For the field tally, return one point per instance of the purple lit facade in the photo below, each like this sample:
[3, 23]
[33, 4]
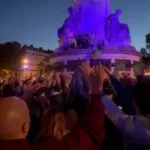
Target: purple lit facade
[92, 25]
[94, 34]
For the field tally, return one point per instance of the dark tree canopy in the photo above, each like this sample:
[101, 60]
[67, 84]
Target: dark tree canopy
[143, 52]
[147, 40]
[11, 55]
[146, 51]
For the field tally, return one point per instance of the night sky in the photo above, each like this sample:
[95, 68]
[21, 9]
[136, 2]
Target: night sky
[36, 21]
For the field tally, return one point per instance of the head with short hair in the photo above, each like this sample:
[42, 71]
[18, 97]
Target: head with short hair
[14, 119]
[141, 95]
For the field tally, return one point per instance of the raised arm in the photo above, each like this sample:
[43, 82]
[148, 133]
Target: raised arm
[129, 126]
[93, 122]
[123, 94]
[91, 132]
[115, 114]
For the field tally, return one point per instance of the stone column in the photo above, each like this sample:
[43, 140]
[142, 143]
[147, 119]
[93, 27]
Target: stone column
[132, 70]
[112, 67]
[65, 63]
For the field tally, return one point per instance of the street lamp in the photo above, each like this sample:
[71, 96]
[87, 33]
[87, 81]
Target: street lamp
[25, 66]
[25, 61]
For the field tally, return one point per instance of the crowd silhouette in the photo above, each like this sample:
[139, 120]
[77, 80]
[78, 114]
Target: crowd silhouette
[89, 110]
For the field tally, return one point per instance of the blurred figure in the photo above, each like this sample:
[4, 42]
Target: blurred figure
[57, 125]
[108, 89]
[56, 92]
[17, 88]
[8, 90]
[89, 133]
[135, 129]
[14, 124]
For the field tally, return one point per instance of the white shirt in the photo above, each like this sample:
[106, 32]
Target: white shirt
[135, 129]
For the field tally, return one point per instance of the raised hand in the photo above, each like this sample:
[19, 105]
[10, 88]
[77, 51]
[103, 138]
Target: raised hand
[95, 77]
[86, 69]
[107, 70]
[51, 75]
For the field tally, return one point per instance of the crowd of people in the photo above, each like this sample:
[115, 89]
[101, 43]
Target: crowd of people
[91, 110]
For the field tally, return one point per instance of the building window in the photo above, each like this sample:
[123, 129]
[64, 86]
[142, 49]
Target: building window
[104, 62]
[123, 65]
[73, 64]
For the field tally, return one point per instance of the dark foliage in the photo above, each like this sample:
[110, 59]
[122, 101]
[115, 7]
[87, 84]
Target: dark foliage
[11, 54]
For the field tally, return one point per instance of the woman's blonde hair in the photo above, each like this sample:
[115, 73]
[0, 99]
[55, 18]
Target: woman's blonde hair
[57, 125]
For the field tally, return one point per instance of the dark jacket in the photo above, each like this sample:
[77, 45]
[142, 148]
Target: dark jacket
[113, 138]
[20, 144]
[124, 97]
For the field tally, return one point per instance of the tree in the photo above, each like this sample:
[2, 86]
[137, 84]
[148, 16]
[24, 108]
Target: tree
[145, 59]
[138, 68]
[144, 52]
[11, 54]
[147, 40]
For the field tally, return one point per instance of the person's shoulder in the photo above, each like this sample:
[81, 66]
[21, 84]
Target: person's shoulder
[17, 144]
[46, 144]
[144, 121]
[139, 129]
[77, 139]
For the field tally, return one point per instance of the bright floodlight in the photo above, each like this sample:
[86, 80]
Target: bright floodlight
[25, 61]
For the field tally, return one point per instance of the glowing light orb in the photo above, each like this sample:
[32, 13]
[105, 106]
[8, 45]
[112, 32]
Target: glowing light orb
[25, 67]
[25, 61]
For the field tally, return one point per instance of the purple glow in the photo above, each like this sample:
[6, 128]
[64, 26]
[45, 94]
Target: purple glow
[94, 22]
[25, 67]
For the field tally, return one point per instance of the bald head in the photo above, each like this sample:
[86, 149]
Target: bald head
[14, 118]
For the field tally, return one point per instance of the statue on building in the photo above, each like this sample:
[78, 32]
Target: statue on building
[67, 32]
[67, 38]
[117, 32]
[90, 25]
[83, 19]
[68, 22]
